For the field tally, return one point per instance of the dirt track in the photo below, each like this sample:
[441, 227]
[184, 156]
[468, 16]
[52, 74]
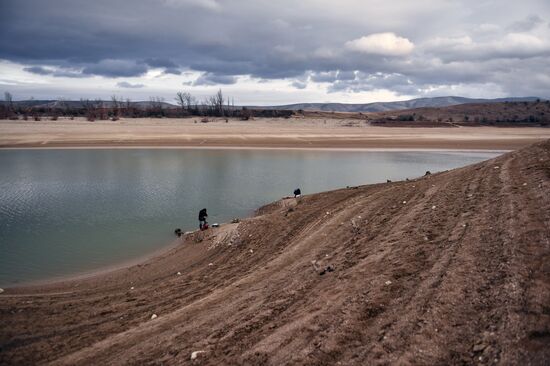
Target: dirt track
[452, 268]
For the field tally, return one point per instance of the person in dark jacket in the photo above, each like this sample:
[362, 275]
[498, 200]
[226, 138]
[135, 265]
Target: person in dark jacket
[297, 192]
[202, 218]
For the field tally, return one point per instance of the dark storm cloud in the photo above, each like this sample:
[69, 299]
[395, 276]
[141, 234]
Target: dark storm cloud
[324, 77]
[160, 62]
[39, 70]
[214, 79]
[168, 65]
[115, 68]
[353, 45]
[173, 71]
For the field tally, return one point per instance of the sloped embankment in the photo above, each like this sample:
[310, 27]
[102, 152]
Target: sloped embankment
[447, 269]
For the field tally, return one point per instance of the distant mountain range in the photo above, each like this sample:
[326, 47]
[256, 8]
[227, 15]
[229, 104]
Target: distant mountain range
[325, 107]
[392, 106]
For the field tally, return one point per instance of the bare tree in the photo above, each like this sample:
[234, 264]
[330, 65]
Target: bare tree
[89, 109]
[184, 101]
[116, 104]
[8, 98]
[218, 101]
[245, 114]
[100, 108]
[128, 107]
[156, 106]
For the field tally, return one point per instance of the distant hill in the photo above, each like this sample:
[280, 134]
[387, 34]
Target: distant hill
[435, 102]
[507, 113]
[393, 106]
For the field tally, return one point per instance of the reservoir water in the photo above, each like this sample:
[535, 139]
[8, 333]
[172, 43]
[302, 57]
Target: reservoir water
[68, 211]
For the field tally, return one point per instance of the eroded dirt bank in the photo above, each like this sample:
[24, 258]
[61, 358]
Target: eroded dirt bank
[451, 268]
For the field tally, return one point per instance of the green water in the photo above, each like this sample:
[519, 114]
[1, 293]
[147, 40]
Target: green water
[70, 211]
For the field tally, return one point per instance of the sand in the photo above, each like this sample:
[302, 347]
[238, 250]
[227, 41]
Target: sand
[265, 133]
[451, 268]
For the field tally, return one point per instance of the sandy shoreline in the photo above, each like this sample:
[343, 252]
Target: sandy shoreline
[260, 133]
[109, 269]
[153, 147]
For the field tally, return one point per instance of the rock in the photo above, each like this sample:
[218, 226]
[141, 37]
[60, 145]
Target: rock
[235, 221]
[154, 316]
[179, 273]
[1, 290]
[215, 224]
[479, 347]
[210, 264]
[251, 251]
[388, 282]
[524, 184]
[404, 202]
[131, 288]
[196, 354]
[433, 207]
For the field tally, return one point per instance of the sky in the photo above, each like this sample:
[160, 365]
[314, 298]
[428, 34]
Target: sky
[274, 52]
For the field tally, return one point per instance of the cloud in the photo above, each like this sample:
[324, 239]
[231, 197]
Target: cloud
[511, 45]
[115, 68]
[39, 70]
[374, 81]
[160, 62]
[125, 84]
[215, 79]
[456, 42]
[384, 44]
[206, 4]
[527, 24]
[173, 71]
[324, 77]
[299, 84]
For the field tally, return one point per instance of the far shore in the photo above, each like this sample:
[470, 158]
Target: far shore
[264, 133]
